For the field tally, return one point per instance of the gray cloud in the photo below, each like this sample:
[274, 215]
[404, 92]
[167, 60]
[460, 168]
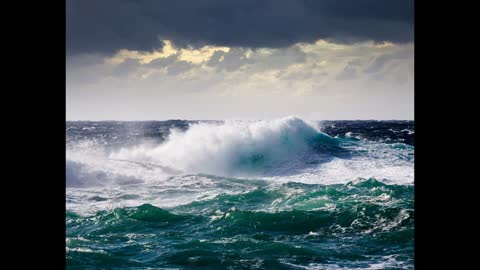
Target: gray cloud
[125, 68]
[267, 83]
[385, 63]
[349, 72]
[163, 62]
[178, 68]
[106, 26]
[232, 60]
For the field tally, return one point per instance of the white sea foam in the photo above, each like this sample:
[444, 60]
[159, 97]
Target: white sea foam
[232, 148]
[169, 174]
[279, 150]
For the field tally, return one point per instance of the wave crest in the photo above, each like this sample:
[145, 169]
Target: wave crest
[234, 147]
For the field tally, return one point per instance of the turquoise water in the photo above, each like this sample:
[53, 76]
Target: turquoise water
[274, 226]
[294, 208]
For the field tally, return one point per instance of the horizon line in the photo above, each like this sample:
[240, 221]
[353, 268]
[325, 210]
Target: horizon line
[177, 119]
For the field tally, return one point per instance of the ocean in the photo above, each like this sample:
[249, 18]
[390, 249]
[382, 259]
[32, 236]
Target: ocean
[278, 194]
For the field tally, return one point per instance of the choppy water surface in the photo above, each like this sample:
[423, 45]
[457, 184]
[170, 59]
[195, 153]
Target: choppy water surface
[279, 194]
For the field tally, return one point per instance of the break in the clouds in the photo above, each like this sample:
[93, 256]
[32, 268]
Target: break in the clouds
[107, 26]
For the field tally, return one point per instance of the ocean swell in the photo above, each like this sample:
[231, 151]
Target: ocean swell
[236, 148]
[278, 194]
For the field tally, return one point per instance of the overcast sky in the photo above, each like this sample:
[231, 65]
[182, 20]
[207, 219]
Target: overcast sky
[248, 59]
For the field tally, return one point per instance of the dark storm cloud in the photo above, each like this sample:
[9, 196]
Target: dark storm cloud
[105, 26]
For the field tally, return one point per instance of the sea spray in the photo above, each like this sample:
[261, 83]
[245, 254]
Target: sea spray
[278, 194]
[233, 148]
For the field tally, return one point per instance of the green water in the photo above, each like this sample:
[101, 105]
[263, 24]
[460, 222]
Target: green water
[362, 224]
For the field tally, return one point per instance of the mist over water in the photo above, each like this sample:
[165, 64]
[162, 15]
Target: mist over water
[279, 194]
